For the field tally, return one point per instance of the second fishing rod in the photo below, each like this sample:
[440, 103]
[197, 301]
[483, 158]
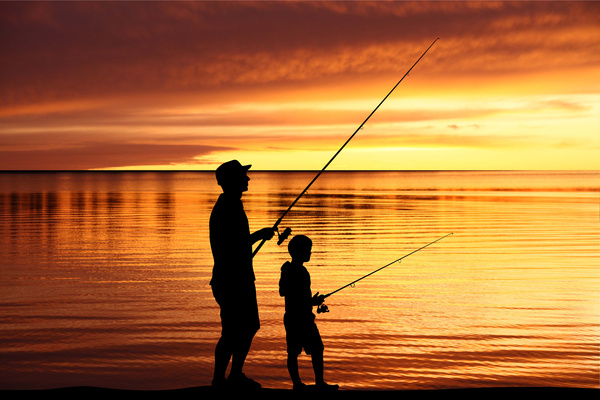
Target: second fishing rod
[287, 231]
[323, 308]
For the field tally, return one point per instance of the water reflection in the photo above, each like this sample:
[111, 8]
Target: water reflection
[107, 274]
[165, 212]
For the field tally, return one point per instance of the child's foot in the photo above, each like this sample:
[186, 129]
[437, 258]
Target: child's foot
[299, 387]
[326, 386]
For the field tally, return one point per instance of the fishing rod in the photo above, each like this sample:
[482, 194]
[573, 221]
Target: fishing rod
[323, 308]
[287, 231]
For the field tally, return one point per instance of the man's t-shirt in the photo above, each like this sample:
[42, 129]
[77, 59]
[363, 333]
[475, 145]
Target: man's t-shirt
[230, 243]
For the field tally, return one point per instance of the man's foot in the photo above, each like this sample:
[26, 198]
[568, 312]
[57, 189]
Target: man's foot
[324, 386]
[219, 383]
[241, 381]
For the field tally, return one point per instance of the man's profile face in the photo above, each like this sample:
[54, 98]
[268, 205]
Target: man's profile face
[244, 179]
[237, 184]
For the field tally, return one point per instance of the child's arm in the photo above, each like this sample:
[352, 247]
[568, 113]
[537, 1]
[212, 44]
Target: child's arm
[318, 299]
[283, 282]
[282, 286]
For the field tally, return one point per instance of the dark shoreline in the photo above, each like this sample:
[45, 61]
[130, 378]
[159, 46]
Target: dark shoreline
[206, 392]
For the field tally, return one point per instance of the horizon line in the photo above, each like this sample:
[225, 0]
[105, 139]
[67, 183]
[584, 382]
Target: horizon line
[294, 170]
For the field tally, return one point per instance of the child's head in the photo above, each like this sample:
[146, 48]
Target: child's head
[300, 248]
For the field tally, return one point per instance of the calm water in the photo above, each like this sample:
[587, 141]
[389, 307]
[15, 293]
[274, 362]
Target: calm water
[104, 278]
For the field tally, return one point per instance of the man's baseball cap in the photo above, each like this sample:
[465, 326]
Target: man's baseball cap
[231, 169]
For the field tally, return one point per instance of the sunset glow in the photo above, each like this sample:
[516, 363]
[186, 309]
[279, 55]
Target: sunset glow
[282, 85]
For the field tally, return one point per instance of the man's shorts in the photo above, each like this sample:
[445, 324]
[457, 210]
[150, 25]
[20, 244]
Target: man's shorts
[302, 334]
[239, 310]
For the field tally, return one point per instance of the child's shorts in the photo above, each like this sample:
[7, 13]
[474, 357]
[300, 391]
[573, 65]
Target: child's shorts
[302, 335]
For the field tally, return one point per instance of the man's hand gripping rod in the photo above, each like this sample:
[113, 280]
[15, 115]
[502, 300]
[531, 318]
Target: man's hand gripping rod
[335, 155]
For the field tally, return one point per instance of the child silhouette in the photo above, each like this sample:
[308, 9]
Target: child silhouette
[299, 320]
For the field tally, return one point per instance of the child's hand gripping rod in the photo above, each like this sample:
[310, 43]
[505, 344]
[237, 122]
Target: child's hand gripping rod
[275, 227]
[323, 307]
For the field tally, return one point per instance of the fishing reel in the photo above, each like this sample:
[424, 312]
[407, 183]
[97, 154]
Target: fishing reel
[322, 309]
[286, 233]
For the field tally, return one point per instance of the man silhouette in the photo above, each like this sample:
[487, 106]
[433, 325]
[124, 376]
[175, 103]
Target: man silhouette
[233, 275]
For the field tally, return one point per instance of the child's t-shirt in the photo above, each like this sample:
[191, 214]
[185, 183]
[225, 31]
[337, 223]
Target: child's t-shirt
[294, 285]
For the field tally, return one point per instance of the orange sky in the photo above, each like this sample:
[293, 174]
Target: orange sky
[282, 85]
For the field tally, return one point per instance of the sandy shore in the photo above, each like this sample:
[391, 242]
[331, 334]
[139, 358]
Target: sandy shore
[208, 393]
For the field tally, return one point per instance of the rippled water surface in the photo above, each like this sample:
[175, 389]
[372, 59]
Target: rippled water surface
[104, 278]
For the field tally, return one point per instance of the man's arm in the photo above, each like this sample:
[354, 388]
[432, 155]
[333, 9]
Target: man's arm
[262, 234]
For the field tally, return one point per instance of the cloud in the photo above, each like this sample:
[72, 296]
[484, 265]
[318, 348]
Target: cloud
[203, 76]
[455, 126]
[62, 50]
[104, 155]
[450, 140]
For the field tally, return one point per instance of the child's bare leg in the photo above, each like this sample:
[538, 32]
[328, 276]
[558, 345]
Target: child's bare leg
[317, 363]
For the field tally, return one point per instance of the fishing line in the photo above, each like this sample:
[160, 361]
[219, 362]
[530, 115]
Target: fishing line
[275, 227]
[323, 308]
